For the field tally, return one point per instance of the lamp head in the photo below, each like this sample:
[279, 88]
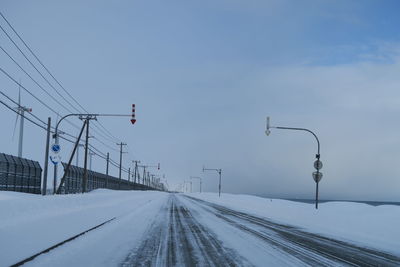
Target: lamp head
[268, 131]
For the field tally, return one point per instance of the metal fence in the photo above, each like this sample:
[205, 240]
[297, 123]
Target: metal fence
[20, 174]
[74, 178]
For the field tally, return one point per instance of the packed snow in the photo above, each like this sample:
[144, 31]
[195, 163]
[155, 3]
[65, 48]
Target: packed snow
[32, 223]
[366, 225]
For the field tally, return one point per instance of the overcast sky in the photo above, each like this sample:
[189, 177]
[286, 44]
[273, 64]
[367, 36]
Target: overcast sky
[205, 74]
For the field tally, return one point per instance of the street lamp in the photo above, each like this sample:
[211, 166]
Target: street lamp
[195, 177]
[317, 175]
[86, 117]
[219, 172]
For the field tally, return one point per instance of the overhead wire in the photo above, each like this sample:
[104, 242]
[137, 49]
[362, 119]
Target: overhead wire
[98, 152]
[104, 131]
[30, 93]
[30, 62]
[47, 70]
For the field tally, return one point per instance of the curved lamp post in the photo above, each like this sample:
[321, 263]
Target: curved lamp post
[219, 172]
[86, 117]
[317, 175]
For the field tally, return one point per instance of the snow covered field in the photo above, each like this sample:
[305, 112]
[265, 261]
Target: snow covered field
[363, 224]
[162, 229]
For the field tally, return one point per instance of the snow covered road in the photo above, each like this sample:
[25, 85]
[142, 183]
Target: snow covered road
[162, 229]
[193, 232]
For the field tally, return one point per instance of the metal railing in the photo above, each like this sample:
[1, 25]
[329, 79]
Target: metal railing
[74, 179]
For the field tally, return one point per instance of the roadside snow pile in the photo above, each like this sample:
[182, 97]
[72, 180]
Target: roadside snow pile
[31, 223]
[363, 224]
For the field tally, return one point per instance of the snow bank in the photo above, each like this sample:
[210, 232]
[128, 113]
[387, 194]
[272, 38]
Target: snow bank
[363, 224]
[31, 223]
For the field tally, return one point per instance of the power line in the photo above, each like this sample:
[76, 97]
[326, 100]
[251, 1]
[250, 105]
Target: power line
[103, 130]
[52, 97]
[40, 62]
[100, 153]
[29, 92]
[48, 71]
[38, 72]
[91, 147]
[30, 62]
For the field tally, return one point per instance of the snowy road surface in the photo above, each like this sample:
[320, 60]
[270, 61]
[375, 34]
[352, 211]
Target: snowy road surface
[161, 229]
[192, 232]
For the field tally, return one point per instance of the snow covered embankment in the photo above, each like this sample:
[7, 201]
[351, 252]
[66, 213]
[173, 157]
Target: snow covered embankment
[372, 226]
[31, 223]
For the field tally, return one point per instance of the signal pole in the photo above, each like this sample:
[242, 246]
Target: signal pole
[317, 176]
[219, 172]
[120, 162]
[86, 117]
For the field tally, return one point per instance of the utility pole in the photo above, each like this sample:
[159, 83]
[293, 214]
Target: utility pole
[86, 117]
[146, 179]
[136, 169]
[46, 158]
[129, 174]
[85, 172]
[144, 175]
[120, 163]
[108, 161]
[219, 172]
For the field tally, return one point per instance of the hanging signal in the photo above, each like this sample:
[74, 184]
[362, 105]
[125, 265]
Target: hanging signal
[133, 120]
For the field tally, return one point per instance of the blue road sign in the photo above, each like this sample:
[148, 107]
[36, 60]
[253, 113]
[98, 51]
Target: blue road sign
[55, 148]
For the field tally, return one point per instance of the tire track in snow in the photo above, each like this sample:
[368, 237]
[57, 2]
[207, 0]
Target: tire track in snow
[183, 242]
[310, 248]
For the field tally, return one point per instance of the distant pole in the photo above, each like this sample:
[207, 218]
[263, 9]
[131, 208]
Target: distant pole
[120, 163]
[85, 171]
[219, 186]
[129, 174]
[136, 172]
[220, 173]
[108, 160]
[46, 158]
[144, 175]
